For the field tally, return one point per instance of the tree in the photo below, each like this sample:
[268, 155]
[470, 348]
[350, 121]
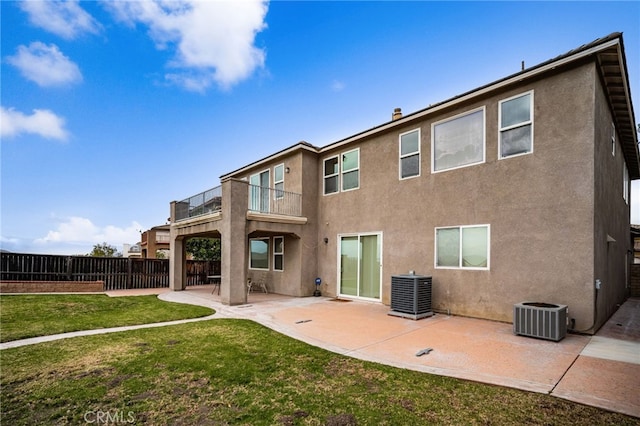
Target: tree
[104, 250]
[204, 248]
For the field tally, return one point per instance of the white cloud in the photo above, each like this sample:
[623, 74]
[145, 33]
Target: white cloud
[214, 40]
[45, 65]
[63, 18]
[81, 231]
[337, 86]
[42, 122]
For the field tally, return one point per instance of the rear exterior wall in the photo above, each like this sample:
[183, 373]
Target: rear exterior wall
[539, 207]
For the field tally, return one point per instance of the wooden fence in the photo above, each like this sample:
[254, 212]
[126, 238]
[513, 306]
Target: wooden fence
[118, 273]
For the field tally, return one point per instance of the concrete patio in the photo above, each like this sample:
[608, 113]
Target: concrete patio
[601, 370]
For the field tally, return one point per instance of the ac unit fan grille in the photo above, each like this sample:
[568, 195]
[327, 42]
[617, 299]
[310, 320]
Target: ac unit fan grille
[411, 296]
[544, 322]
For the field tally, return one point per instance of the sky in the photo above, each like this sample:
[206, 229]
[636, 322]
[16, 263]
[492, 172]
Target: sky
[110, 110]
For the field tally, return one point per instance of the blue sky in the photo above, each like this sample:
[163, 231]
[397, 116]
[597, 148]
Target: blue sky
[110, 110]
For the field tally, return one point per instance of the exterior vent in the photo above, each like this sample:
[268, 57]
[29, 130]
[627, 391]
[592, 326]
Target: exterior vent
[411, 296]
[541, 320]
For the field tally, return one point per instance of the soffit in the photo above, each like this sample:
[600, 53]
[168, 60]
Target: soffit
[613, 71]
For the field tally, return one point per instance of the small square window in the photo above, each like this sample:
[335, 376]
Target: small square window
[342, 172]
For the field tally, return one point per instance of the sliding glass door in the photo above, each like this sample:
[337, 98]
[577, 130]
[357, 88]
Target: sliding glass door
[259, 192]
[360, 265]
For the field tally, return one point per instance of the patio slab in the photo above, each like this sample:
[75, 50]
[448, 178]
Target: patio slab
[601, 370]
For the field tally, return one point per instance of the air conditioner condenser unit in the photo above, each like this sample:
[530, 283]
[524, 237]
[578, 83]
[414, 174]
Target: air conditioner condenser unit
[541, 320]
[411, 296]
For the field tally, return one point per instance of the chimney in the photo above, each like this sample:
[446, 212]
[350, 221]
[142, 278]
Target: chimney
[397, 114]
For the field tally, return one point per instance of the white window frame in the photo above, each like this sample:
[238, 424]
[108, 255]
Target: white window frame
[340, 173]
[343, 172]
[324, 177]
[379, 234]
[401, 157]
[515, 126]
[278, 193]
[448, 119]
[613, 139]
[625, 182]
[460, 267]
[268, 250]
[261, 197]
[278, 253]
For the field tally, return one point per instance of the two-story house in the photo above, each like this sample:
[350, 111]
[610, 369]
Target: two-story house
[154, 241]
[515, 191]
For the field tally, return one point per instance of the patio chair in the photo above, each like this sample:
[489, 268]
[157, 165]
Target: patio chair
[260, 281]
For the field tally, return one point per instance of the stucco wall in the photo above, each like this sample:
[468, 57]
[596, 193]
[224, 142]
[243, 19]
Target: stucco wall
[539, 207]
[612, 243]
[300, 246]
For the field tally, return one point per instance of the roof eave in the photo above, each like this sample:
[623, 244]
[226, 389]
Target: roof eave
[305, 146]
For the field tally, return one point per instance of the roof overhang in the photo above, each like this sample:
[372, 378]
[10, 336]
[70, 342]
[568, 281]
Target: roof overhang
[613, 71]
[609, 54]
[300, 146]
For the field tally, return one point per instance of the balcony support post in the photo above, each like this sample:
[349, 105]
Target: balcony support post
[235, 201]
[177, 258]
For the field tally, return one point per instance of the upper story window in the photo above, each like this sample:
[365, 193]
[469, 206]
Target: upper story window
[351, 170]
[342, 172]
[331, 175]
[458, 141]
[278, 181]
[410, 154]
[613, 139]
[625, 183]
[515, 116]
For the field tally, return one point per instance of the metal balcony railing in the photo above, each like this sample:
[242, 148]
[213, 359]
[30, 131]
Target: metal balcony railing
[274, 201]
[206, 202]
[261, 200]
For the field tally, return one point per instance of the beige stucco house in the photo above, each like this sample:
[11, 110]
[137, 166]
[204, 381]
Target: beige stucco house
[514, 191]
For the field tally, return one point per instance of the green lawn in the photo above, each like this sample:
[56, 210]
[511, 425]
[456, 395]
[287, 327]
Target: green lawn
[228, 371]
[23, 316]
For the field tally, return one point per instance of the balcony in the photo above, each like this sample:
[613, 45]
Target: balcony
[262, 200]
[206, 202]
[274, 201]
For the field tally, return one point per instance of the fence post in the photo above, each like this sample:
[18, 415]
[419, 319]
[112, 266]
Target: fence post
[69, 268]
[129, 271]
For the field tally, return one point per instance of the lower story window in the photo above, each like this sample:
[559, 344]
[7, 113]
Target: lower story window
[278, 253]
[463, 247]
[259, 253]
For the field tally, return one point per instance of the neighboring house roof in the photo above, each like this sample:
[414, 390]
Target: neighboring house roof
[609, 54]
